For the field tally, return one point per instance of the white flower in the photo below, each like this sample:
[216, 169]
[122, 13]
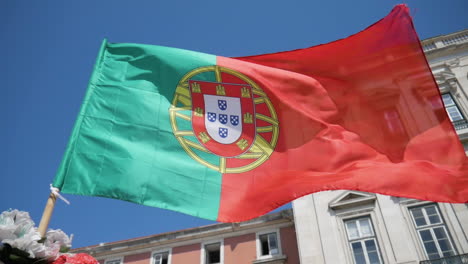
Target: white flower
[28, 243]
[56, 240]
[7, 226]
[15, 224]
[17, 229]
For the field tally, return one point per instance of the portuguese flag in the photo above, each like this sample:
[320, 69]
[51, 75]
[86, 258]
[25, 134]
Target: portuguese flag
[230, 139]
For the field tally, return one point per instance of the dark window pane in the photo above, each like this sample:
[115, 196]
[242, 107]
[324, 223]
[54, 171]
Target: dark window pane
[370, 245]
[358, 253]
[440, 233]
[265, 249]
[214, 256]
[374, 258]
[433, 215]
[213, 253]
[430, 210]
[417, 212]
[426, 235]
[434, 256]
[420, 221]
[444, 245]
[418, 217]
[431, 248]
[372, 251]
[434, 219]
[357, 247]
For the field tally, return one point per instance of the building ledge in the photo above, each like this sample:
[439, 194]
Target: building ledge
[281, 259]
[187, 236]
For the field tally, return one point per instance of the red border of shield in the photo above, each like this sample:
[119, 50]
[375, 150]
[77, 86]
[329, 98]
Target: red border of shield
[242, 91]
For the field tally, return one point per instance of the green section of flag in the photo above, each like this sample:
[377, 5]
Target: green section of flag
[122, 145]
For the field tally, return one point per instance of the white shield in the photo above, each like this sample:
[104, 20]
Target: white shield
[223, 118]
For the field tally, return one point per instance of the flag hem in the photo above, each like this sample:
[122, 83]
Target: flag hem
[64, 165]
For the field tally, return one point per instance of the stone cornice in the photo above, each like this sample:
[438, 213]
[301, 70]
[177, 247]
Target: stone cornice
[439, 43]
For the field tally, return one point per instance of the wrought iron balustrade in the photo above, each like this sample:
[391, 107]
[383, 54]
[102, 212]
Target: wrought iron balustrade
[459, 259]
[460, 124]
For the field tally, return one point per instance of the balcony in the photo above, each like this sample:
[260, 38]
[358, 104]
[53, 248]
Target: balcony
[459, 259]
[460, 124]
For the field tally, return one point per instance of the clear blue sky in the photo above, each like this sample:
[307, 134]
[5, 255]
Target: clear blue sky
[49, 48]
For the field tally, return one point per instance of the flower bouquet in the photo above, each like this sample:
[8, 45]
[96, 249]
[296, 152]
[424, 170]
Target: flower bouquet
[21, 243]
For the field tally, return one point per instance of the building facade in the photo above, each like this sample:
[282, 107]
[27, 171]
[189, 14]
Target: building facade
[333, 227]
[363, 228]
[269, 239]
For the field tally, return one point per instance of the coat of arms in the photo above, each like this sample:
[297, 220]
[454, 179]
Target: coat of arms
[231, 118]
[222, 117]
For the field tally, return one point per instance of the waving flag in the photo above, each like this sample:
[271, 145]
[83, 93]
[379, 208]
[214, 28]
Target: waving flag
[230, 139]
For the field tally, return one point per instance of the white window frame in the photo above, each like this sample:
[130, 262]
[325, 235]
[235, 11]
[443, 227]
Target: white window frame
[203, 250]
[454, 105]
[161, 251]
[362, 240]
[259, 244]
[120, 259]
[364, 206]
[430, 227]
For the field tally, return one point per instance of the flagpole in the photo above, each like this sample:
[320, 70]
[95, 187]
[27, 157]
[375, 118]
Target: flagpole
[47, 214]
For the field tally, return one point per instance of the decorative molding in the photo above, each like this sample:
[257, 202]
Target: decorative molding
[446, 79]
[453, 63]
[409, 202]
[352, 199]
[442, 42]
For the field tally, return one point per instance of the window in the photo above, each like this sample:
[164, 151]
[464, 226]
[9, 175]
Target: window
[451, 108]
[114, 261]
[268, 244]
[432, 231]
[213, 253]
[161, 257]
[362, 240]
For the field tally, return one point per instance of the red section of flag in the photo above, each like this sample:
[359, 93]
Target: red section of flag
[355, 114]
